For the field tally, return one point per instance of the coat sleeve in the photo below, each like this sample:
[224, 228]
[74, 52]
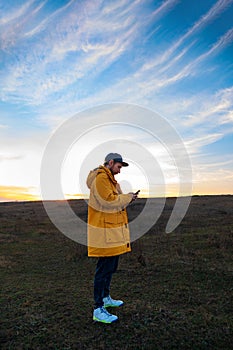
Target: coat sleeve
[107, 197]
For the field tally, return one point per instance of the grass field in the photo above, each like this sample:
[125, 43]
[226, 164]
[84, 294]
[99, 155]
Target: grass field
[177, 287]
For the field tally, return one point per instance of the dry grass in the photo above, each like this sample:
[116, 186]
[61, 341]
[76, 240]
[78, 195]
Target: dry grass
[177, 287]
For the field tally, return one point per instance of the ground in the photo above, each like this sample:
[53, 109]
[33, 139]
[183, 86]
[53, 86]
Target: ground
[177, 287]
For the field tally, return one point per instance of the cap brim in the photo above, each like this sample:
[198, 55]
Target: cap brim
[124, 164]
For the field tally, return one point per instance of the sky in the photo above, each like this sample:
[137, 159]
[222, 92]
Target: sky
[61, 58]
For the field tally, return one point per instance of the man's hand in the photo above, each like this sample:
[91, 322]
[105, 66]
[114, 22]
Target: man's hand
[134, 196]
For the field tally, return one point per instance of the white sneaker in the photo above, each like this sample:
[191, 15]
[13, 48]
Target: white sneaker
[109, 302]
[102, 315]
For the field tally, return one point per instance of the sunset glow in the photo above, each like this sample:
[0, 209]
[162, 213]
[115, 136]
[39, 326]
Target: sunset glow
[64, 57]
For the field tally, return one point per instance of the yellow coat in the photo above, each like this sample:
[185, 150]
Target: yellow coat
[108, 231]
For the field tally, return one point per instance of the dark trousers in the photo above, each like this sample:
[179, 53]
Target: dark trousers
[105, 267]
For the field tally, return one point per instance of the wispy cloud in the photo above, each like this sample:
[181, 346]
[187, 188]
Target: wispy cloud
[14, 26]
[15, 13]
[195, 145]
[62, 58]
[37, 74]
[223, 41]
[37, 29]
[206, 19]
[213, 13]
[116, 26]
[164, 77]
[211, 173]
[97, 37]
[164, 8]
[215, 109]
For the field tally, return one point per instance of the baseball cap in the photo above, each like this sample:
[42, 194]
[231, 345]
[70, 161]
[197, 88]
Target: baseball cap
[116, 157]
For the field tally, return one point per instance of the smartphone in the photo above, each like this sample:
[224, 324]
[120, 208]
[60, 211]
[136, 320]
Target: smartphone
[137, 192]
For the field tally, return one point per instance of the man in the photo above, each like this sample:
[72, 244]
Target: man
[108, 231]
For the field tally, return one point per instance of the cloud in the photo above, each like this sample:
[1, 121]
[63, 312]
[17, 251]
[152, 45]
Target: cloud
[195, 145]
[224, 41]
[206, 19]
[20, 158]
[227, 118]
[45, 22]
[87, 41]
[9, 157]
[97, 33]
[16, 23]
[59, 62]
[16, 13]
[213, 172]
[219, 7]
[97, 37]
[164, 77]
[165, 7]
[215, 109]
[17, 193]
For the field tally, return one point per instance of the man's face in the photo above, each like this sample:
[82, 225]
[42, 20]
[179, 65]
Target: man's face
[115, 167]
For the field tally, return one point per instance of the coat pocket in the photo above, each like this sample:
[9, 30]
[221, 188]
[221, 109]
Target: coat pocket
[114, 230]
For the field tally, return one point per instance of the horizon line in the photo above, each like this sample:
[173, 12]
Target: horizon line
[77, 199]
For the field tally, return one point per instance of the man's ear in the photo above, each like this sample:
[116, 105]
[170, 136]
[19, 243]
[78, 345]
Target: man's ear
[111, 162]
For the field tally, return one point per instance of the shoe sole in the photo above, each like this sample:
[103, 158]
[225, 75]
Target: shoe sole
[103, 321]
[110, 305]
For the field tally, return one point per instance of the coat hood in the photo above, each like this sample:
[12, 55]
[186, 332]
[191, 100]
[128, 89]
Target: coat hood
[101, 169]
